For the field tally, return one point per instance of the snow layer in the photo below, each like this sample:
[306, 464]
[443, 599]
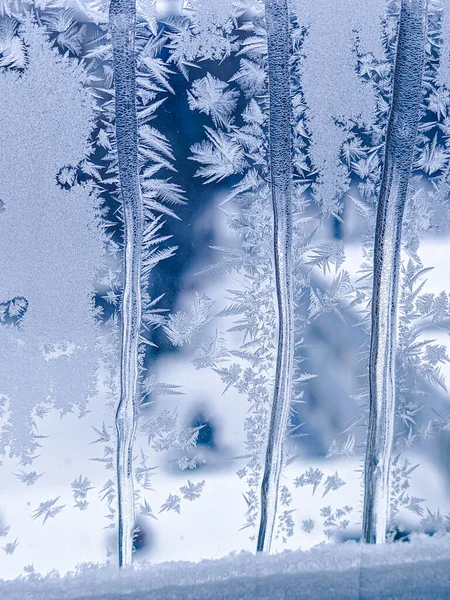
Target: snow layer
[419, 569]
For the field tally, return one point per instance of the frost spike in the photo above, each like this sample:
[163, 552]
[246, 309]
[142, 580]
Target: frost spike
[122, 18]
[277, 19]
[400, 141]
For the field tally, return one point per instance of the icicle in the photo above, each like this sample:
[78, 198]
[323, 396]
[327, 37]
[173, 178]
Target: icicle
[277, 18]
[400, 141]
[122, 22]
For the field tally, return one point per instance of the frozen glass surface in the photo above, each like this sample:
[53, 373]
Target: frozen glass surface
[224, 293]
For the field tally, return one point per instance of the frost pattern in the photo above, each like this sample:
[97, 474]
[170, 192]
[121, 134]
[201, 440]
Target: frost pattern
[48, 509]
[51, 244]
[209, 95]
[444, 62]
[158, 195]
[205, 31]
[182, 327]
[335, 95]
[243, 149]
[244, 152]
[237, 145]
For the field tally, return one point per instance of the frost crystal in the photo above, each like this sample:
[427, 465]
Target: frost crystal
[192, 491]
[335, 94]
[172, 503]
[311, 477]
[48, 509]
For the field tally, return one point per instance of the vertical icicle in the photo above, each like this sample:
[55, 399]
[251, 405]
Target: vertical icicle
[277, 19]
[400, 141]
[122, 17]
